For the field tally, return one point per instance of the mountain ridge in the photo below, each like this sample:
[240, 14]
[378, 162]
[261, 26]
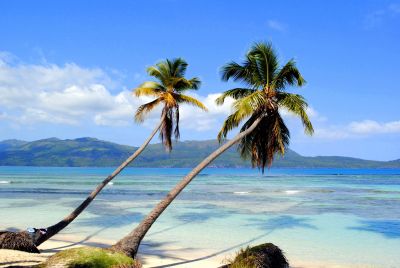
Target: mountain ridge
[92, 152]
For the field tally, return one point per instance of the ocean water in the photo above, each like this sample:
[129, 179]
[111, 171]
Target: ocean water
[334, 216]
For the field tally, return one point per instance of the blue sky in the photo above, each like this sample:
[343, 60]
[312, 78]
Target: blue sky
[67, 67]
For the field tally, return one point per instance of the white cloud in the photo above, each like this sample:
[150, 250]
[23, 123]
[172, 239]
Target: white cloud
[330, 133]
[367, 127]
[193, 118]
[121, 112]
[190, 117]
[311, 112]
[32, 116]
[70, 94]
[276, 25]
[77, 100]
[357, 129]
[49, 77]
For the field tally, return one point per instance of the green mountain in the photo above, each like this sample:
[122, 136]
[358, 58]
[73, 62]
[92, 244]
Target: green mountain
[94, 152]
[10, 144]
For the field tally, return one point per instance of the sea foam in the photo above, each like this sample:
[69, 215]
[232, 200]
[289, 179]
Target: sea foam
[241, 193]
[291, 191]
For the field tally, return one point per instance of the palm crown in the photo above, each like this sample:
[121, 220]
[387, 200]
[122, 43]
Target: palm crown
[263, 97]
[168, 92]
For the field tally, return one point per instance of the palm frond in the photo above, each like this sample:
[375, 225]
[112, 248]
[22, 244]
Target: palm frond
[288, 75]
[237, 72]
[230, 123]
[180, 98]
[263, 100]
[297, 105]
[242, 108]
[178, 67]
[171, 83]
[265, 61]
[250, 104]
[235, 93]
[169, 99]
[182, 84]
[149, 89]
[195, 83]
[271, 136]
[146, 108]
[155, 72]
[164, 67]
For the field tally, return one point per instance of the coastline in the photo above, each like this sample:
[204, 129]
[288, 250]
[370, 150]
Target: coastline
[176, 257]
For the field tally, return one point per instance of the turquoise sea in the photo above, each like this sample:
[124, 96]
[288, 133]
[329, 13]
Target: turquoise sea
[337, 216]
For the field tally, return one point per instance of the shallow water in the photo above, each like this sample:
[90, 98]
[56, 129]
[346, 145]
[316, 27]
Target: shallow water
[338, 216]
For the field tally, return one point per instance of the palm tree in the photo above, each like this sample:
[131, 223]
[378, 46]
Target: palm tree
[169, 93]
[262, 135]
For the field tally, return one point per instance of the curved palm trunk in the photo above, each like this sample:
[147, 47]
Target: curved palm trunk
[129, 244]
[54, 229]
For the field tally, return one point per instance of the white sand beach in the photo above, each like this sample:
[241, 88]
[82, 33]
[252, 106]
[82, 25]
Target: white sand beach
[150, 259]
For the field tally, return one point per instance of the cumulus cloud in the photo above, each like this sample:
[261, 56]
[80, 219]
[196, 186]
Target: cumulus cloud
[50, 93]
[203, 121]
[190, 117]
[357, 129]
[48, 77]
[313, 114]
[373, 127]
[73, 95]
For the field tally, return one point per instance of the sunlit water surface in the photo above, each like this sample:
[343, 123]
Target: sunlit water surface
[325, 215]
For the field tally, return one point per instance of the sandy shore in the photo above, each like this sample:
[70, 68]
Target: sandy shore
[12, 258]
[176, 257]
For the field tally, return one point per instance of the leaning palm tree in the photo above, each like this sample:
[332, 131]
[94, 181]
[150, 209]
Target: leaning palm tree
[169, 93]
[262, 135]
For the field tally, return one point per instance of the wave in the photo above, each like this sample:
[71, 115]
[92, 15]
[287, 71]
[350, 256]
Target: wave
[241, 193]
[290, 192]
[5, 182]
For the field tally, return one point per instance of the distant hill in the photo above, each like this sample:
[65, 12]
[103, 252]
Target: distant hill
[94, 152]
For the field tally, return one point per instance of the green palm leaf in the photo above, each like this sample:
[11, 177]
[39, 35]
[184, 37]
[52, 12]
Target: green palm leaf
[289, 75]
[146, 108]
[180, 98]
[235, 93]
[262, 99]
[297, 105]
[168, 92]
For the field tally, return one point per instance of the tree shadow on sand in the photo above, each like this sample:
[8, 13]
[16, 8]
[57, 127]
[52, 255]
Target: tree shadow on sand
[273, 224]
[107, 217]
[84, 242]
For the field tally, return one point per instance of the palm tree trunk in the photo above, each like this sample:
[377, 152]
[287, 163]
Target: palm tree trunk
[129, 244]
[54, 229]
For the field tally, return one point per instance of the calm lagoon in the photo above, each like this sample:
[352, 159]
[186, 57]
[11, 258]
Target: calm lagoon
[341, 217]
